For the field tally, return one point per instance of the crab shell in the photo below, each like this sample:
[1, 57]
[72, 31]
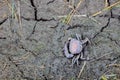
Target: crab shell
[75, 46]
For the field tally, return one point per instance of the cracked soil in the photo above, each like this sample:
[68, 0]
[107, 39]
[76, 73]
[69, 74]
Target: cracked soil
[33, 50]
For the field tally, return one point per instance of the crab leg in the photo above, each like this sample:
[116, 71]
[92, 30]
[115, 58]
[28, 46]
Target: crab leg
[82, 58]
[75, 60]
[67, 54]
[78, 36]
[85, 40]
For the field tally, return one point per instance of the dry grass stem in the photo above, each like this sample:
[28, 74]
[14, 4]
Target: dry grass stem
[73, 16]
[74, 10]
[82, 69]
[11, 9]
[20, 21]
[101, 57]
[114, 65]
[69, 16]
[106, 8]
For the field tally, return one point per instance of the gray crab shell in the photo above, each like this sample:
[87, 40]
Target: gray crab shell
[75, 46]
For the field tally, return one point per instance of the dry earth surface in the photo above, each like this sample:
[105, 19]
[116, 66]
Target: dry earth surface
[33, 50]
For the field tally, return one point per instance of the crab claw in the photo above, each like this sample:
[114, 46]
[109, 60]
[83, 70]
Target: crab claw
[67, 54]
[86, 40]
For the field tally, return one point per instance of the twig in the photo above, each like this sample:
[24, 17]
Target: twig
[106, 8]
[82, 69]
[100, 57]
[11, 8]
[73, 16]
[69, 16]
[19, 20]
[74, 10]
[114, 65]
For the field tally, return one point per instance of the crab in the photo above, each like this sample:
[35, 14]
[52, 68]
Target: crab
[73, 47]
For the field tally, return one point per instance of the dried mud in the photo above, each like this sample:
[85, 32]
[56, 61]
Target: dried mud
[36, 51]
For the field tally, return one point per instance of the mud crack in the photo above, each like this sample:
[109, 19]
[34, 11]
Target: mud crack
[35, 9]
[115, 16]
[1, 22]
[115, 41]
[107, 24]
[115, 58]
[33, 31]
[3, 38]
[50, 2]
[41, 19]
[10, 58]
[76, 26]
[16, 64]
[27, 50]
[36, 13]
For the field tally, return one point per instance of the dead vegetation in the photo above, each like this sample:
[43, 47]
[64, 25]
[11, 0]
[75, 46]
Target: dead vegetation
[17, 59]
